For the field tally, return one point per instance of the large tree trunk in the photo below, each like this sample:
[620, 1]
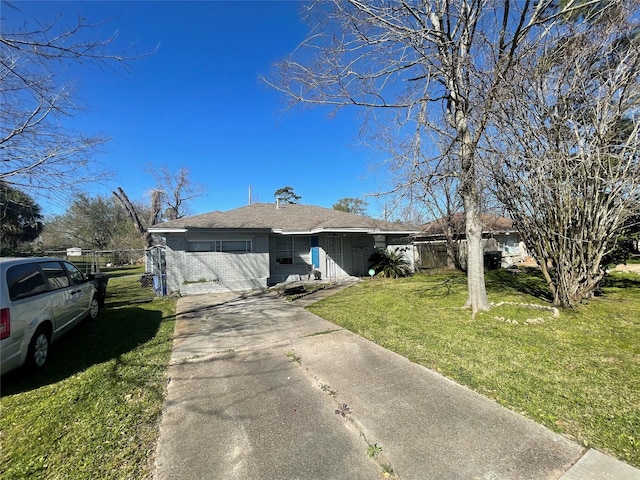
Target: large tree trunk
[569, 278]
[477, 300]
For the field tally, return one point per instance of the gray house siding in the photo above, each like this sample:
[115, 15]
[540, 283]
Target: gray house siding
[361, 247]
[193, 272]
[263, 244]
[295, 249]
[352, 259]
[399, 244]
[339, 256]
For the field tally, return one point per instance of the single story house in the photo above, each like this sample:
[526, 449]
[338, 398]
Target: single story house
[262, 244]
[499, 235]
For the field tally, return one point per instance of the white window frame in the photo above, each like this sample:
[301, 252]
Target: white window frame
[220, 246]
[286, 250]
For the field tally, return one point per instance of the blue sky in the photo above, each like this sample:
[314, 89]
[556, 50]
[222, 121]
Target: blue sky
[197, 102]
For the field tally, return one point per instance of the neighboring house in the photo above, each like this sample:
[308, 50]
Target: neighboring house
[498, 233]
[264, 244]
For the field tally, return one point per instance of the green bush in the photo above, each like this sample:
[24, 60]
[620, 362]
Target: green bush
[390, 264]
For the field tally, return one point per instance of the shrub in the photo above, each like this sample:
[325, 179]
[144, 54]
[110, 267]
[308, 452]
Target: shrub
[390, 264]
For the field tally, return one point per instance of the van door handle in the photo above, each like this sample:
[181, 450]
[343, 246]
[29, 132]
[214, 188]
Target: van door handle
[76, 291]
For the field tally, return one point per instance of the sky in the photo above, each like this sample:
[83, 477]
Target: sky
[197, 102]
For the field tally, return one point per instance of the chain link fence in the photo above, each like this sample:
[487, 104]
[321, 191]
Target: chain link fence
[92, 261]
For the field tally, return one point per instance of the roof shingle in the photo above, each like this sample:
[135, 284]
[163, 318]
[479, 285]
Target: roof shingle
[491, 224]
[284, 218]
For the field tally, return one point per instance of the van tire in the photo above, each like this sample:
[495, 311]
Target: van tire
[38, 352]
[94, 308]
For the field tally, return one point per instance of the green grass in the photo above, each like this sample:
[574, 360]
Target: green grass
[123, 271]
[578, 374]
[94, 411]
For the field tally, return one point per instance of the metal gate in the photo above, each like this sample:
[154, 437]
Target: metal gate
[334, 256]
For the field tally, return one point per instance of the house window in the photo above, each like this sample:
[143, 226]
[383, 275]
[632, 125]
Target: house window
[201, 247]
[227, 246]
[284, 250]
[509, 244]
[234, 246]
[380, 241]
[292, 251]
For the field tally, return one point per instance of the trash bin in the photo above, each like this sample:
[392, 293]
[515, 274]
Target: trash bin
[492, 260]
[160, 285]
[146, 280]
[100, 281]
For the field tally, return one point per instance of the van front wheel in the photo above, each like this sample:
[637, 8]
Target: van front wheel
[38, 350]
[94, 308]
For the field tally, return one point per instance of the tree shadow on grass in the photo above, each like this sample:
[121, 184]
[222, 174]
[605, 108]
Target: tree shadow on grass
[531, 282]
[528, 281]
[621, 281]
[448, 284]
[113, 334]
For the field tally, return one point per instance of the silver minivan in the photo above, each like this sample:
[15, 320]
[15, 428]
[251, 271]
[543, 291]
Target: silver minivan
[40, 299]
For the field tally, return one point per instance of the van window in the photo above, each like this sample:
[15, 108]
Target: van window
[75, 275]
[55, 274]
[25, 280]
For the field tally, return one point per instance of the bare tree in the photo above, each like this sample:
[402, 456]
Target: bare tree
[37, 153]
[426, 180]
[169, 200]
[568, 137]
[440, 195]
[141, 225]
[434, 66]
[176, 190]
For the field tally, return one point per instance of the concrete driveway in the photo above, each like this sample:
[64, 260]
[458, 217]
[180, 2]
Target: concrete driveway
[262, 389]
[240, 406]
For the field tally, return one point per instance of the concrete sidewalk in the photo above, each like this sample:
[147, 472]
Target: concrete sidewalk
[262, 389]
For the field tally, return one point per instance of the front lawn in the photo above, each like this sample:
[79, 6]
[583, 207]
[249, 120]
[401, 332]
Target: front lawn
[93, 412]
[578, 374]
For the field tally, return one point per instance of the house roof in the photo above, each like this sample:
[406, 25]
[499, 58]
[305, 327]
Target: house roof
[491, 224]
[285, 219]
